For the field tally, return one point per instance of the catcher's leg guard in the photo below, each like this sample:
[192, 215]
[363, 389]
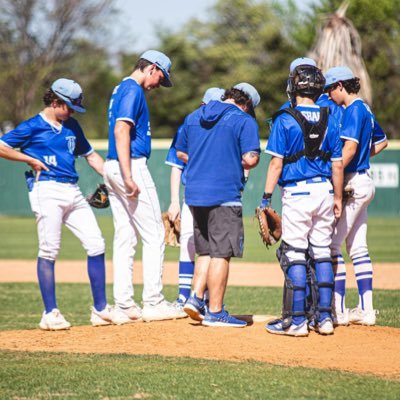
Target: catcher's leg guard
[293, 264]
[321, 283]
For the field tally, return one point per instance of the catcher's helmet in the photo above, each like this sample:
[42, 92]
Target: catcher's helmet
[306, 80]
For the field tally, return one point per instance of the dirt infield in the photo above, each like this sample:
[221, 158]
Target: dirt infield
[363, 350]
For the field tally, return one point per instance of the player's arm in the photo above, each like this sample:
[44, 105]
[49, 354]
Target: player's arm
[122, 142]
[182, 156]
[337, 180]
[175, 181]
[10, 154]
[96, 162]
[250, 160]
[274, 172]
[377, 148]
[348, 151]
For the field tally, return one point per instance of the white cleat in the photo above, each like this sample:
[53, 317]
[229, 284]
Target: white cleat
[54, 321]
[162, 311]
[122, 316]
[101, 318]
[325, 327]
[342, 318]
[358, 316]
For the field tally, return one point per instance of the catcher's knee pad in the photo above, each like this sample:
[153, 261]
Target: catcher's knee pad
[289, 256]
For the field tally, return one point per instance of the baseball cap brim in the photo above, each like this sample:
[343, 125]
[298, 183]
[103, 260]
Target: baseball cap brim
[68, 102]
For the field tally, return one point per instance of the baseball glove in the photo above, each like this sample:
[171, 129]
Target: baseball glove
[270, 225]
[348, 192]
[99, 199]
[172, 230]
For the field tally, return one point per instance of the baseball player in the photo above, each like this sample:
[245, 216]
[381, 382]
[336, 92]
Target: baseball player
[218, 141]
[49, 142]
[187, 250]
[306, 153]
[361, 140]
[133, 196]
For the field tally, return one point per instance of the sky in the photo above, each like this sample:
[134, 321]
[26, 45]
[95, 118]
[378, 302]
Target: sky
[138, 19]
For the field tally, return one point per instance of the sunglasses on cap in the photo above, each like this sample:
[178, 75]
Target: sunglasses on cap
[74, 102]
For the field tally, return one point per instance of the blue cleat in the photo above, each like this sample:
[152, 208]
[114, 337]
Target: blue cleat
[222, 319]
[195, 308]
[275, 327]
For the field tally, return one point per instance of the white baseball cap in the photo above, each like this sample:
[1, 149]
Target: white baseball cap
[70, 92]
[213, 93]
[301, 61]
[337, 74]
[251, 91]
[162, 62]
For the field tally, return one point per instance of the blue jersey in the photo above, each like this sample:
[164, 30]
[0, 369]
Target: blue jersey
[215, 137]
[128, 103]
[172, 158]
[358, 126]
[287, 139]
[56, 147]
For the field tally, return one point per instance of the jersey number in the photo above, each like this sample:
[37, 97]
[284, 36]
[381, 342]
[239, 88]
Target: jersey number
[50, 160]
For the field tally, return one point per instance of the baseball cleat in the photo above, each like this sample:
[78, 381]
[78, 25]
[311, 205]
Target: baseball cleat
[358, 316]
[122, 316]
[101, 318]
[195, 308]
[275, 327]
[222, 319]
[162, 311]
[341, 318]
[54, 321]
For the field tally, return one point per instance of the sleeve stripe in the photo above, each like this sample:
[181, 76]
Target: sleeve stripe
[171, 164]
[349, 138]
[274, 154]
[337, 159]
[5, 144]
[126, 119]
[87, 154]
[379, 141]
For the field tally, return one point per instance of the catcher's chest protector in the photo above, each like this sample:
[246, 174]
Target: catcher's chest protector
[313, 134]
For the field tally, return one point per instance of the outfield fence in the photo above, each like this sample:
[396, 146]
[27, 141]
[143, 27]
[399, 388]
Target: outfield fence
[384, 168]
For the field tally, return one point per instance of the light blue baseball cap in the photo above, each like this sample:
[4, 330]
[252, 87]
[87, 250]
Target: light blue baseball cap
[251, 91]
[301, 61]
[213, 93]
[70, 92]
[162, 62]
[337, 74]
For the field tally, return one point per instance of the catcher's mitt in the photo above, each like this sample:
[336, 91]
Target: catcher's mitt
[270, 225]
[172, 230]
[99, 199]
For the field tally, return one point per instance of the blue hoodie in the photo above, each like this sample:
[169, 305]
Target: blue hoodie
[215, 137]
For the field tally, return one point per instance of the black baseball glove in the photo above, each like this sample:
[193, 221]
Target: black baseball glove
[99, 199]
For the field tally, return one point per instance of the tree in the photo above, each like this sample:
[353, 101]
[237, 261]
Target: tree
[36, 37]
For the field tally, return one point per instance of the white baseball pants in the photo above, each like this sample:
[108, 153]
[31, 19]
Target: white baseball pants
[133, 216]
[54, 204]
[187, 250]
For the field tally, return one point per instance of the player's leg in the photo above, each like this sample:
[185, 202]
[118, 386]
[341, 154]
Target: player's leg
[186, 254]
[81, 221]
[48, 202]
[148, 222]
[124, 245]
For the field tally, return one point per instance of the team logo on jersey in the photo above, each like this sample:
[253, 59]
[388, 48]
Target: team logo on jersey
[71, 143]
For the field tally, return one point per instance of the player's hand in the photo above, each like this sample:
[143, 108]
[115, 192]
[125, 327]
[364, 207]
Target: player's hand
[174, 210]
[37, 166]
[132, 190]
[337, 208]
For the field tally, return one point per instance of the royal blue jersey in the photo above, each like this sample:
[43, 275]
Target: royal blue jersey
[287, 139]
[172, 158]
[56, 147]
[358, 126]
[215, 137]
[128, 103]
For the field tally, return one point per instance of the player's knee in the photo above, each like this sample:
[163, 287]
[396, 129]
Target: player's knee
[95, 247]
[49, 251]
[319, 253]
[358, 251]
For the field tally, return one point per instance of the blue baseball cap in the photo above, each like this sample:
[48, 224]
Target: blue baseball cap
[70, 92]
[251, 91]
[213, 93]
[301, 61]
[337, 74]
[162, 62]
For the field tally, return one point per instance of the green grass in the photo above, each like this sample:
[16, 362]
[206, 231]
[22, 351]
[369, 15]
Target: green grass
[78, 376]
[18, 239]
[22, 307]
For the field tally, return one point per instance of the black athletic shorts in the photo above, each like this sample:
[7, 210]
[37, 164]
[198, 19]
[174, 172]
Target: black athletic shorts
[218, 231]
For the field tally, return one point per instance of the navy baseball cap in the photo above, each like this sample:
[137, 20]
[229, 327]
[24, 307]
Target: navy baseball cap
[162, 62]
[337, 74]
[213, 93]
[70, 92]
[301, 61]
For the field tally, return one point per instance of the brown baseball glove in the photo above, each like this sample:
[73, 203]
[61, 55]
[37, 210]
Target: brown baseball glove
[348, 192]
[99, 199]
[270, 224]
[172, 230]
